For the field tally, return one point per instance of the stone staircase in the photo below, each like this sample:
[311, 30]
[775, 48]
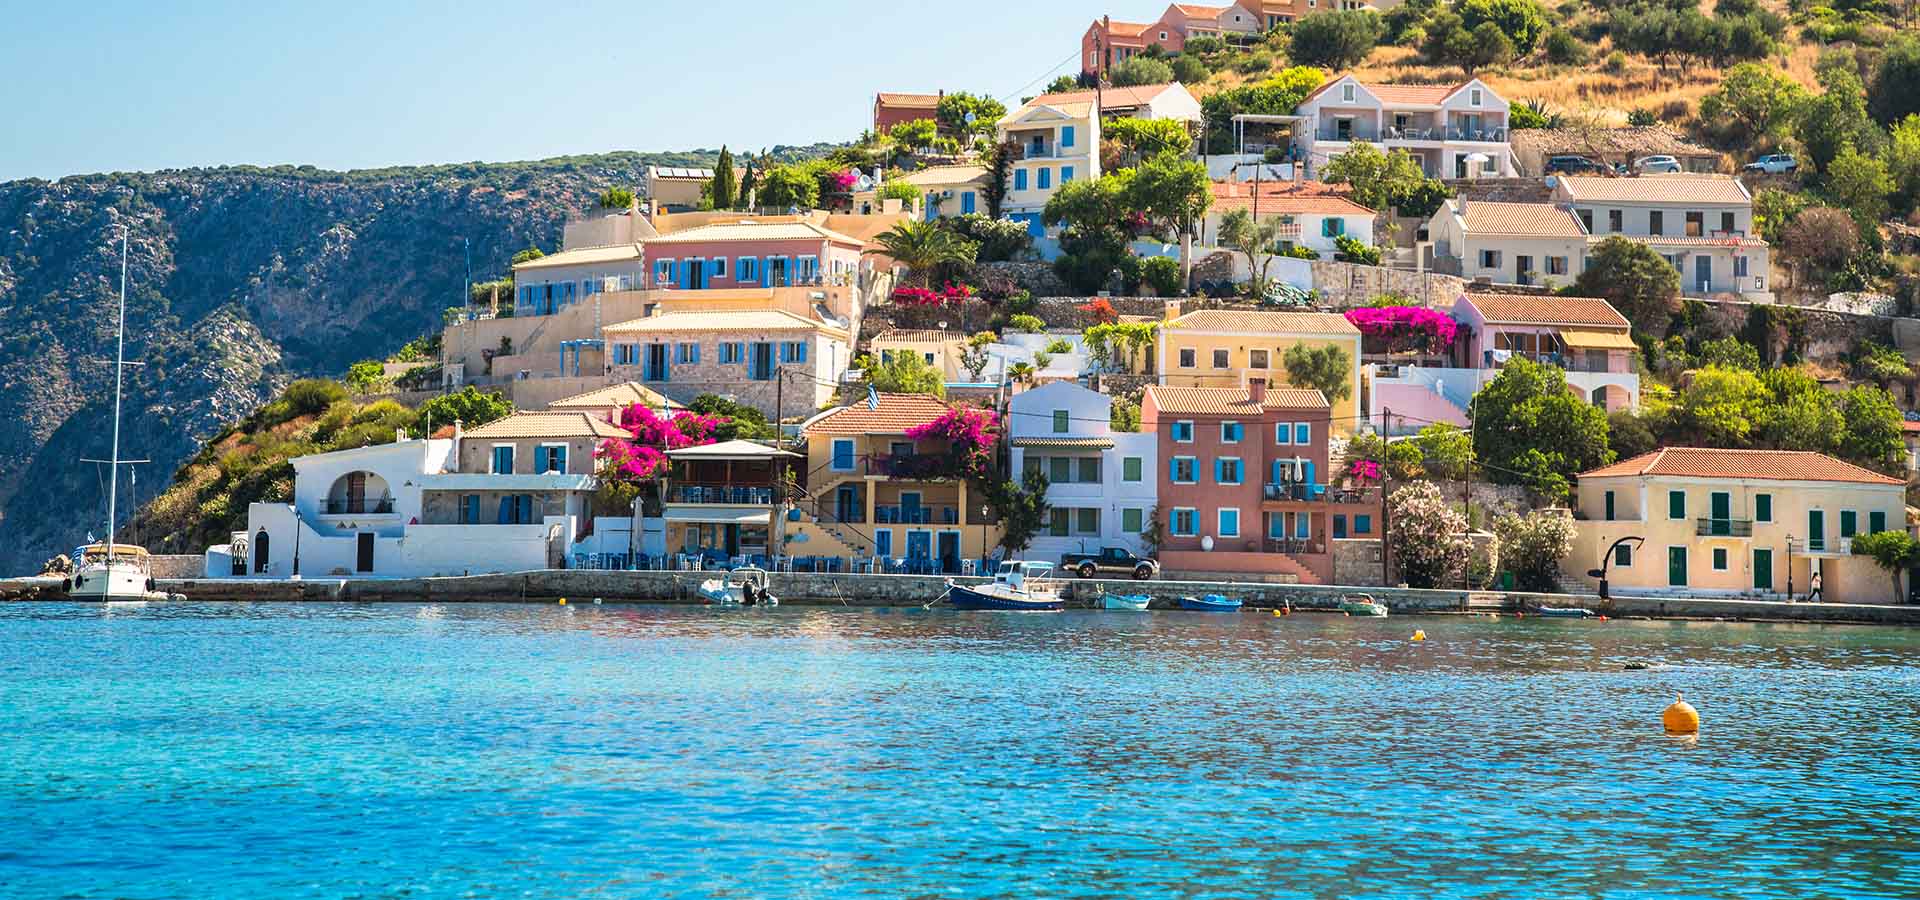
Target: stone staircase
[1297, 569]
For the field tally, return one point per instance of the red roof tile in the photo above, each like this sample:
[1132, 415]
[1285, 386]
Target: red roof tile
[897, 413]
[1760, 465]
[1546, 309]
[1231, 401]
[1288, 198]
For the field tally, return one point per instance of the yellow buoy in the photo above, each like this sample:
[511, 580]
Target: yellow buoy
[1277, 612]
[1681, 717]
[563, 601]
[1419, 635]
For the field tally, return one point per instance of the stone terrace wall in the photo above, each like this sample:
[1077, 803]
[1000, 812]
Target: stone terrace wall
[1057, 311]
[1346, 285]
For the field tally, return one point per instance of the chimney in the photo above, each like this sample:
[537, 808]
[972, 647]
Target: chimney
[1257, 391]
[1172, 310]
[400, 435]
[458, 430]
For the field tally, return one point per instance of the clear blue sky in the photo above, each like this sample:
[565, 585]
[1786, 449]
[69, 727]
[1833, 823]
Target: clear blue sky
[110, 85]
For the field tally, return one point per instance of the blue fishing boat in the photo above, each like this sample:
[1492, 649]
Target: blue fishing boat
[1134, 602]
[1017, 585]
[1210, 603]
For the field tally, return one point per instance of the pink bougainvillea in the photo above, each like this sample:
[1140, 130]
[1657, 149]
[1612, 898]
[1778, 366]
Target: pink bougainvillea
[1364, 470]
[972, 432]
[950, 294]
[1405, 327]
[644, 455]
[845, 180]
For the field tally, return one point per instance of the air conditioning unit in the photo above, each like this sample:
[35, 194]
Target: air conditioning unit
[946, 195]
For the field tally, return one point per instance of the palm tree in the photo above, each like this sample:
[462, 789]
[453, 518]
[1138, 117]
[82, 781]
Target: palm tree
[923, 247]
[1255, 239]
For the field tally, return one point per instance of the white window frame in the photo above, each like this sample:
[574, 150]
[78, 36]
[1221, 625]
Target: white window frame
[1173, 471]
[549, 447]
[1223, 432]
[1191, 434]
[493, 457]
[853, 459]
[1239, 466]
[1220, 521]
[1283, 434]
[1173, 521]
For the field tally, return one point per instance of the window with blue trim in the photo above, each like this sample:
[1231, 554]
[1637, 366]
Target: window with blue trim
[1066, 135]
[719, 267]
[1228, 470]
[1362, 524]
[1231, 432]
[1019, 179]
[1066, 174]
[1283, 433]
[746, 269]
[503, 460]
[842, 454]
[1185, 522]
[1046, 178]
[1302, 433]
[969, 202]
[1181, 470]
[1183, 432]
[1229, 523]
[1333, 226]
[663, 272]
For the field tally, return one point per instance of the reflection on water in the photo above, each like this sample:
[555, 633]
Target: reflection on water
[623, 751]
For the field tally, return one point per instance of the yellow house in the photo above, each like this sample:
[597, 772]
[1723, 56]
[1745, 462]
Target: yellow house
[943, 191]
[939, 349]
[1758, 523]
[1223, 348]
[874, 493]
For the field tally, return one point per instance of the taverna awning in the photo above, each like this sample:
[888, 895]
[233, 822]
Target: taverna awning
[1597, 340]
[719, 516]
[731, 450]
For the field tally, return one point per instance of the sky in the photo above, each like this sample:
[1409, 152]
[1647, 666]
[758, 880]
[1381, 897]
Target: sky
[109, 85]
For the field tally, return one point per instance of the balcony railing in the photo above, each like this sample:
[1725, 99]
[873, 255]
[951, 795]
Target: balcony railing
[1316, 493]
[732, 495]
[1825, 546]
[365, 506]
[1413, 134]
[1295, 546]
[1723, 527]
[923, 514]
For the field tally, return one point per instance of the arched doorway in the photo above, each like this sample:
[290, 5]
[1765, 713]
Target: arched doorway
[260, 558]
[359, 493]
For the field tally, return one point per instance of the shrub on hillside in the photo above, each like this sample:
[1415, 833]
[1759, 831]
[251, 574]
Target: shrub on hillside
[1162, 273]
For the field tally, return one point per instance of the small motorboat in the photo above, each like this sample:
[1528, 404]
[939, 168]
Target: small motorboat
[745, 586]
[1563, 612]
[1134, 602]
[1210, 603]
[1362, 605]
[1017, 585]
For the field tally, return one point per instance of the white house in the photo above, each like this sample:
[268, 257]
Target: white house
[512, 495]
[1507, 243]
[1101, 481]
[1702, 224]
[1312, 214]
[1455, 131]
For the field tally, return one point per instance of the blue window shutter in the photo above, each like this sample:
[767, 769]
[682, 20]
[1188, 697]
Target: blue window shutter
[1308, 467]
[1173, 470]
[506, 511]
[800, 352]
[539, 459]
[1275, 477]
[1066, 136]
[1219, 470]
[1046, 178]
[1019, 179]
[1303, 433]
[967, 202]
[766, 272]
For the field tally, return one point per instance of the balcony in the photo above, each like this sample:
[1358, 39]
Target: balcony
[1046, 151]
[918, 515]
[359, 506]
[1491, 135]
[1821, 547]
[720, 494]
[1742, 528]
[1294, 546]
[1299, 492]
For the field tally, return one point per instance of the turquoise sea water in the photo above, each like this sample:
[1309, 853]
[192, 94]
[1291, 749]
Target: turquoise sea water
[617, 751]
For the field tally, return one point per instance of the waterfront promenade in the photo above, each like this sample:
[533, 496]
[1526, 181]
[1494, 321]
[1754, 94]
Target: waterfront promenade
[823, 589]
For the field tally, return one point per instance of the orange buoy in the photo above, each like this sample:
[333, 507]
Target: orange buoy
[1681, 717]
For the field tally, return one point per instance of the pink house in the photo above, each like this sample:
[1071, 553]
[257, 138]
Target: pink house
[1585, 336]
[750, 254]
[1245, 485]
[1107, 42]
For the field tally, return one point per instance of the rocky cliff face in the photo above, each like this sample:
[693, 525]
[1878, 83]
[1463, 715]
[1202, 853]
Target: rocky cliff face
[239, 280]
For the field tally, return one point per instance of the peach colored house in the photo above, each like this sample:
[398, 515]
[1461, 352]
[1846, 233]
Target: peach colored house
[1757, 523]
[1107, 42]
[1245, 482]
[750, 254]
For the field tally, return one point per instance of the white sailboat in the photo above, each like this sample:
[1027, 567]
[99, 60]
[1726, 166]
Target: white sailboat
[110, 571]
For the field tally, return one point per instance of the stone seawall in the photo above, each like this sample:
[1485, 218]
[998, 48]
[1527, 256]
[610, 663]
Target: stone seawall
[915, 590]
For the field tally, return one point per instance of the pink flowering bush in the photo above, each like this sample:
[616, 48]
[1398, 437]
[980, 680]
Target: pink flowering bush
[950, 294]
[973, 434]
[644, 455]
[1428, 537]
[845, 180]
[1405, 327]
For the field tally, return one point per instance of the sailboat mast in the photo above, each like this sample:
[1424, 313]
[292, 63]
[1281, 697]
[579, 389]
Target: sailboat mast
[119, 370]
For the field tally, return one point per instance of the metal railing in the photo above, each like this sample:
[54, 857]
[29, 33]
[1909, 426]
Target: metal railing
[1723, 527]
[1293, 546]
[365, 506]
[733, 495]
[1315, 493]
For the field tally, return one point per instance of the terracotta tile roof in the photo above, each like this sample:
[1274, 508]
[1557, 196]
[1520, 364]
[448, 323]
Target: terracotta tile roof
[587, 256]
[916, 336]
[1910, 426]
[621, 395]
[1486, 217]
[1243, 321]
[443, 433]
[1288, 198]
[754, 231]
[897, 413]
[909, 101]
[1128, 29]
[719, 320]
[1546, 309]
[1681, 240]
[1396, 94]
[1676, 187]
[1111, 98]
[1230, 401]
[1054, 443]
[1762, 465]
[945, 175]
[548, 425]
[1201, 12]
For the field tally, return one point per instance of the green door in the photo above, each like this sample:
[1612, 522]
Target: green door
[1722, 513]
[1677, 566]
[1762, 569]
[1816, 530]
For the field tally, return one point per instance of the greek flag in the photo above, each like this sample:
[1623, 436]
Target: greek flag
[873, 398]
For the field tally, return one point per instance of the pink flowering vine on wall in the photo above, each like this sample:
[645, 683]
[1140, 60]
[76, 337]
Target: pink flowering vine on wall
[950, 294]
[973, 433]
[1403, 328]
[644, 456]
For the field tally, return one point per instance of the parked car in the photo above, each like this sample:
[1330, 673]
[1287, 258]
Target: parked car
[1110, 559]
[1774, 164]
[1574, 165]
[1652, 165]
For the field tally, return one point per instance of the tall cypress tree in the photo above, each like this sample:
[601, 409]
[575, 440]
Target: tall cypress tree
[723, 180]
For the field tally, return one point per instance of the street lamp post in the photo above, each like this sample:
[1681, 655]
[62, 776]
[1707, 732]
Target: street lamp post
[296, 541]
[1606, 562]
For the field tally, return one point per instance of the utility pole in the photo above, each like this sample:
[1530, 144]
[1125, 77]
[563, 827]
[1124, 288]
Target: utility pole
[779, 409]
[1386, 420]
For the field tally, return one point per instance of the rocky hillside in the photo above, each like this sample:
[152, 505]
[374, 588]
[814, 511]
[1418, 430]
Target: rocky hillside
[240, 280]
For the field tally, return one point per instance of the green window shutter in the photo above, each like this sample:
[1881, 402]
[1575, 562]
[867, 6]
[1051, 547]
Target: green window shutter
[1060, 420]
[1763, 507]
[1876, 522]
[1676, 504]
[1130, 521]
[1849, 522]
[1059, 469]
[1130, 468]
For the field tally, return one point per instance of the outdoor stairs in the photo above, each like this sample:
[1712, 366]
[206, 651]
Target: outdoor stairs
[1297, 569]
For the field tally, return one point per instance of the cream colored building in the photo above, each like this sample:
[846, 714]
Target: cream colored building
[1507, 243]
[776, 361]
[1701, 224]
[1755, 523]
[1219, 348]
[943, 191]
